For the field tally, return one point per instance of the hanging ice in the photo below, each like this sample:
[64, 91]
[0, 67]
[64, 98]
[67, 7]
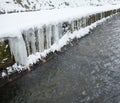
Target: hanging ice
[56, 33]
[48, 36]
[32, 40]
[39, 38]
[40, 34]
[18, 49]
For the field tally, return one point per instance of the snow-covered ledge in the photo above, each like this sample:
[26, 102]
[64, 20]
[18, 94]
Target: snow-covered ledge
[33, 35]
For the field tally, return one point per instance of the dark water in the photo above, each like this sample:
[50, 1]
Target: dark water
[88, 72]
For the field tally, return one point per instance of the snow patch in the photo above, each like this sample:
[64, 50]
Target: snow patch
[22, 5]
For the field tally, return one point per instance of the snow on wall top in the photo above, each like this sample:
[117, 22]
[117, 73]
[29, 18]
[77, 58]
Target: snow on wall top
[11, 25]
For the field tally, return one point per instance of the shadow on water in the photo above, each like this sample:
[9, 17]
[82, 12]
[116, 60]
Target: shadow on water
[89, 72]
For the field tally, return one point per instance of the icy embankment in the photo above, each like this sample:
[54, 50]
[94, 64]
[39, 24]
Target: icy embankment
[66, 39]
[15, 26]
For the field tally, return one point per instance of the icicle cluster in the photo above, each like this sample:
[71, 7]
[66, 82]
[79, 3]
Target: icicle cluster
[37, 39]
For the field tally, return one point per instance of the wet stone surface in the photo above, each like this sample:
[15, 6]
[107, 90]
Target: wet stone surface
[88, 72]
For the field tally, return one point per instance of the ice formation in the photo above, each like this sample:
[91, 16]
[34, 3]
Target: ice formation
[33, 35]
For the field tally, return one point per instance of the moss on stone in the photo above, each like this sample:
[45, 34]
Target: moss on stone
[6, 59]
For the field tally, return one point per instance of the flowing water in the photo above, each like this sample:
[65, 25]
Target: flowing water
[88, 72]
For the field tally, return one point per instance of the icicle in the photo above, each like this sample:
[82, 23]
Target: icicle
[75, 25]
[52, 36]
[87, 18]
[26, 39]
[56, 33]
[32, 40]
[64, 25]
[60, 29]
[84, 22]
[41, 40]
[37, 41]
[72, 26]
[45, 38]
[48, 35]
[103, 15]
[78, 24]
[18, 49]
